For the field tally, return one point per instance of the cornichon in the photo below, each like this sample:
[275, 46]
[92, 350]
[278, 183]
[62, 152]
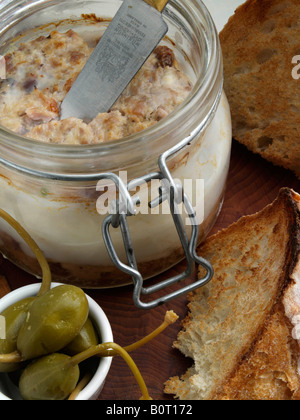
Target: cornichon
[15, 317]
[53, 321]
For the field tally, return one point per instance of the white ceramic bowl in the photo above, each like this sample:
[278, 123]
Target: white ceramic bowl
[8, 391]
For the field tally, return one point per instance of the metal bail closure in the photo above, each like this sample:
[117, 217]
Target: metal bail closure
[124, 207]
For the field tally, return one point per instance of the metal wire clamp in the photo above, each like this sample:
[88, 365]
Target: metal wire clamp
[125, 207]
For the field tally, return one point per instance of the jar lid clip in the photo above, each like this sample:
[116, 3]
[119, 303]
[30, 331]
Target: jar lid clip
[125, 207]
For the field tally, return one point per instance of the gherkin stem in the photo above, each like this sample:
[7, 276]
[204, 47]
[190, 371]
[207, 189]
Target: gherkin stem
[46, 273]
[101, 349]
[170, 318]
[112, 349]
[80, 386]
[14, 357]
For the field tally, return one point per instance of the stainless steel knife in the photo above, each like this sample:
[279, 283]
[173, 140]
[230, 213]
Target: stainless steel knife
[130, 38]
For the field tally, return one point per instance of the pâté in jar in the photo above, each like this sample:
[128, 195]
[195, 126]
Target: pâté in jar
[50, 167]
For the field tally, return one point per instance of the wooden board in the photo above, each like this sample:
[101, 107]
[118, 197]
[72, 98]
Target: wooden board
[252, 184]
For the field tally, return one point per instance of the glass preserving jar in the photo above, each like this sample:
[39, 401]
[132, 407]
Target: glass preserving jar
[51, 189]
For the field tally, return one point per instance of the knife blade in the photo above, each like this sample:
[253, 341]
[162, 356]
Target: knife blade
[130, 38]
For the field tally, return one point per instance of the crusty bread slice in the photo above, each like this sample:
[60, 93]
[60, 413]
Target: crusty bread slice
[242, 329]
[259, 43]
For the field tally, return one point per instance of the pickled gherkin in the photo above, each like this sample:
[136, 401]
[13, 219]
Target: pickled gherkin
[87, 338]
[51, 377]
[53, 321]
[15, 316]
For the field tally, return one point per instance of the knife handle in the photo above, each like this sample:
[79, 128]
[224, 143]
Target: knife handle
[157, 4]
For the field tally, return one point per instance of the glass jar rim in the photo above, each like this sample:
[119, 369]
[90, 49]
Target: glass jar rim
[203, 99]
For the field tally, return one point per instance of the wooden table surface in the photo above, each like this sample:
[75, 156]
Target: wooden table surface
[252, 184]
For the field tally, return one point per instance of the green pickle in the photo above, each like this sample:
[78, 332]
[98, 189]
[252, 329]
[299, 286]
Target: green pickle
[51, 377]
[15, 317]
[84, 340]
[53, 321]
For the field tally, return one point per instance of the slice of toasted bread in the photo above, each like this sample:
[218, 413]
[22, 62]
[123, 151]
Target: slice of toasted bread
[259, 43]
[242, 331]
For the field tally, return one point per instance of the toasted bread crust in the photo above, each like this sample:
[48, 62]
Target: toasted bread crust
[239, 331]
[259, 43]
[269, 370]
